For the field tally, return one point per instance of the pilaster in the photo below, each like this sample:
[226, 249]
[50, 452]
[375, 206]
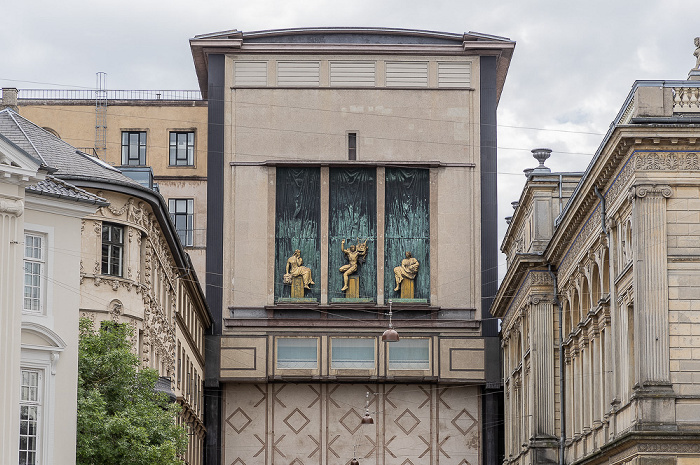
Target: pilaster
[542, 356]
[11, 240]
[651, 282]
[653, 391]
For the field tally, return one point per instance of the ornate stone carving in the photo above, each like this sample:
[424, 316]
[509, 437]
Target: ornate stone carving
[12, 206]
[643, 190]
[667, 161]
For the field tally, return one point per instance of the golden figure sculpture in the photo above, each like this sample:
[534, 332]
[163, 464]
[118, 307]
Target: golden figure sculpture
[407, 269]
[354, 253]
[294, 268]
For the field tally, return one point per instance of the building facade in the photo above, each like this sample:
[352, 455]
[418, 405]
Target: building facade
[599, 303]
[133, 130]
[40, 219]
[351, 174]
[124, 262]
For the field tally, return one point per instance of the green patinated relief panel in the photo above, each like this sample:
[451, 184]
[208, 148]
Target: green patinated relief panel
[298, 226]
[407, 227]
[352, 216]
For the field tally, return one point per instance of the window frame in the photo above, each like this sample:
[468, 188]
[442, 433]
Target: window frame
[141, 147]
[364, 364]
[174, 153]
[409, 365]
[288, 364]
[41, 263]
[187, 239]
[111, 245]
[38, 405]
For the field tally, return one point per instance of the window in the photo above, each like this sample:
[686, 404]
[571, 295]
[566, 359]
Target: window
[296, 352]
[352, 146]
[182, 148]
[409, 354]
[182, 214]
[34, 262]
[352, 353]
[112, 249]
[134, 148]
[29, 411]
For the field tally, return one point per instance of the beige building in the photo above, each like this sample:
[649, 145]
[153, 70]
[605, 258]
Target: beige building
[383, 139]
[129, 267]
[600, 301]
[163, 130]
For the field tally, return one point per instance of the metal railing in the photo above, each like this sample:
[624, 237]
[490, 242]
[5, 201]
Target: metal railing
[91, 94]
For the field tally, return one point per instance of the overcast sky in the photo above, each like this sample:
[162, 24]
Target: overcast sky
[573, 66]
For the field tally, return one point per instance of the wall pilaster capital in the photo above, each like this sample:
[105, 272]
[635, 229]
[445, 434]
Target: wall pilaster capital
[641, 191]
[11, 206]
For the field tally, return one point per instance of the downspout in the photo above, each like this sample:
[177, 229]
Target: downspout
[562, 381]
[602, 211]
[561, 181]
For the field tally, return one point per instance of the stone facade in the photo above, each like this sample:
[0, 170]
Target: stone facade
[156, 293]
[597, 334]
[299, 119]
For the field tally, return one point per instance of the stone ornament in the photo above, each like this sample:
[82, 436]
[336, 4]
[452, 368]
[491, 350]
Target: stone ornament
[354, 254]
[407, 269]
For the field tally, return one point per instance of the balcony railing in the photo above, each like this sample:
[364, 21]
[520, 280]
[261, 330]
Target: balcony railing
[91, 94]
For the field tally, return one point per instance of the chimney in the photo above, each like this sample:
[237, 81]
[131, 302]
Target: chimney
[9, 98]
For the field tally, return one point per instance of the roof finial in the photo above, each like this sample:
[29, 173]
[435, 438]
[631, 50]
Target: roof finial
[541, 155]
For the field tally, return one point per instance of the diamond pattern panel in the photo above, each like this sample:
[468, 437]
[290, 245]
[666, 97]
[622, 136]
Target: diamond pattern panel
[319, 424]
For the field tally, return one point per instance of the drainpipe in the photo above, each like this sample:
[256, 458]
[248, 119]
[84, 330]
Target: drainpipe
[561, 181]
[602, 210]
[562, 381]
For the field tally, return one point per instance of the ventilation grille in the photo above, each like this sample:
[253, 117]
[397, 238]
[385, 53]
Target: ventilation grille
[298, 73]
[250, 73]
[453, 74]
[407, 74]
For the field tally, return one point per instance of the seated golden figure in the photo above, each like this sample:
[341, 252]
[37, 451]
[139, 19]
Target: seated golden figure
[407, 269]
[295, 268]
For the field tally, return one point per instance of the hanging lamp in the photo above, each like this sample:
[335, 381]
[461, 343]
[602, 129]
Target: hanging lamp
[354, 460]
[367, 418]
[390, 335]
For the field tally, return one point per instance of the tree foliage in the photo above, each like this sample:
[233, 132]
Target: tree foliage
[121, 418]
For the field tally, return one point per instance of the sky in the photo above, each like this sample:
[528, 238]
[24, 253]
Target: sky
[573, 66]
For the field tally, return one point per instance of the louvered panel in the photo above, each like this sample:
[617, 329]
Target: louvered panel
[298, 73]
[353, 73]
[451, 74]
[250, 73]
[406, 74]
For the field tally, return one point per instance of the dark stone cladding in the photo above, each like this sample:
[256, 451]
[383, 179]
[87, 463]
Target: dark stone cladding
[492, 432]
[214, 259]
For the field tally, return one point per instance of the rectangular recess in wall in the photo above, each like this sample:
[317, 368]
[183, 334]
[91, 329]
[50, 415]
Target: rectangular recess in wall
[298, 73]
[407, 74]
[454, 74]
[353, 73]
[250, 73]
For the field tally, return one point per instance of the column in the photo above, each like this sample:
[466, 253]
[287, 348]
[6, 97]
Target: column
[651, 281]
[11, 240]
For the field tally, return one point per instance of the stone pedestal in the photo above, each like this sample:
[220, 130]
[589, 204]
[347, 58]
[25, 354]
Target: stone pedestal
[407, 288]
[297, 287]
[353, 290]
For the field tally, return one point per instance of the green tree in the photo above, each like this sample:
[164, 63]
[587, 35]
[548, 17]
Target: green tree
[121, 418]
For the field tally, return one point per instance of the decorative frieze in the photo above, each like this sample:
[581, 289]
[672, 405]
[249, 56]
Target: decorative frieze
[667, 161]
